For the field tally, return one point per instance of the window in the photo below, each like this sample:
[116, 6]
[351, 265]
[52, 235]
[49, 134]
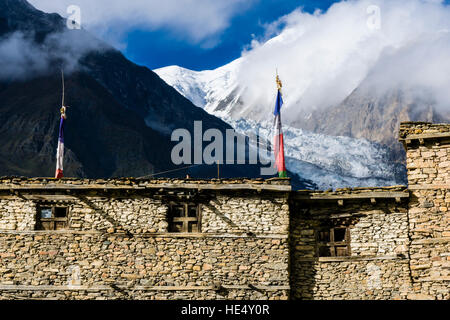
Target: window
[51, 217]
[333, 242]
[184, 217]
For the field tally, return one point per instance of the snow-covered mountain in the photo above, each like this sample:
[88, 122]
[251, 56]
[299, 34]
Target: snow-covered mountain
[328, 161]
[343, 75]
[212, 90]
[330, 60]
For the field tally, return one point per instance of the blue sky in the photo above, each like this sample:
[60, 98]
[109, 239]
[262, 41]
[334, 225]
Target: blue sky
[160, 48]
[195, 34]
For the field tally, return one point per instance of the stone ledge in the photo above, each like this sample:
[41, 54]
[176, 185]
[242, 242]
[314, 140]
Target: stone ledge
[431, 241]
[424, 136]
[410, 128]
[350, 259]
[420, 296]
[140, 288]
[149, 235]
[397, 192]
[429, 186]
[433, 279]
[60, 186]
[23, 183]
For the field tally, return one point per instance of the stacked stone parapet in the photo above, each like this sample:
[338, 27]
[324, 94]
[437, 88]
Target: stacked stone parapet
[427, 148]
[117, 242]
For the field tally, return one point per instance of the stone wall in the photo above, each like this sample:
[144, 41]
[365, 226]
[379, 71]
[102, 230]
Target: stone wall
[428, 163]
[117, 244]
[17, 214]
[377, 267]
[141, 214]
[246, 213]
[257, 239]
[143, 266]
[366, 279]
[399, 247]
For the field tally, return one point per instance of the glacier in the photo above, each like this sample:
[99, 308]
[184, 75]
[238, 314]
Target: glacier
[330, 162]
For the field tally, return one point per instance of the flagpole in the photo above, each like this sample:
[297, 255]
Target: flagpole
[60, 150]
[279, 139]
[63, 88]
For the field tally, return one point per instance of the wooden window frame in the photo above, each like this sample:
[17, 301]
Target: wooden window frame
[186, 221]
[332, 245]
[53, 221]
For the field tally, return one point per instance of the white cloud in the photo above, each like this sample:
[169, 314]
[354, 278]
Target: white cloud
[323, 57]
[21, 57]
[199, 21]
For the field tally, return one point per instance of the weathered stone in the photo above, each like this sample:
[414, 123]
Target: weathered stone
[118, 239]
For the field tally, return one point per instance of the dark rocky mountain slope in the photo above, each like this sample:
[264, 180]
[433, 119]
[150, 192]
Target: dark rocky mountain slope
[120, 118]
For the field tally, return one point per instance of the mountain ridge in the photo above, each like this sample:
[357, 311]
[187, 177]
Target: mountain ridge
[120, 115]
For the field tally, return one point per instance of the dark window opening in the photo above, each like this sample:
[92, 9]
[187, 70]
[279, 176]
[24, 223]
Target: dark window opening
[333, 242]
[51, 217]
[339, 234]
[184, 218]
[177, 211]
[324, 236]
[192, 211]
[325, 252]
[60, 212]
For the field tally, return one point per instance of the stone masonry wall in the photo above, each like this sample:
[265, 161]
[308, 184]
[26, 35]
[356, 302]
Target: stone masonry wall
[119, 247]
[246, 213]
[17, 214]
[428, 165]
[141, 214]
[142, 263]
[378, 265]
[257, 239]
[368, 279]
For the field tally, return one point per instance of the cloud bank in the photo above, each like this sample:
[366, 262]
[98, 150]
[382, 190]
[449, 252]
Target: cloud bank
[21, 57]
[323, 57]
[199, 21]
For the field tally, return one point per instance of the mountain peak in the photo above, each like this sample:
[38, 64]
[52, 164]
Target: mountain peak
[20, 15]
[18, 9]
[14, 4]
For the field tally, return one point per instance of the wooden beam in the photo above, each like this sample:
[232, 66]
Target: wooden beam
[350, 258]
[168, 235]
[429, 186]
[427, 136]
[238, 186]
[161, 186]
[361, 195]
[143, 288]
[49, 197]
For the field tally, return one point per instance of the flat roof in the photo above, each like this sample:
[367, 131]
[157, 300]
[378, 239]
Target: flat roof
[23, 183]
[394, 192]
[423, 130]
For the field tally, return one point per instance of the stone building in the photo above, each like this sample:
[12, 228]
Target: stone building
[231, 239]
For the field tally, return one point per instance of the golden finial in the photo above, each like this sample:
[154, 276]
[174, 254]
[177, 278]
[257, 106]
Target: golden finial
[279, 84]
[63, 112]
